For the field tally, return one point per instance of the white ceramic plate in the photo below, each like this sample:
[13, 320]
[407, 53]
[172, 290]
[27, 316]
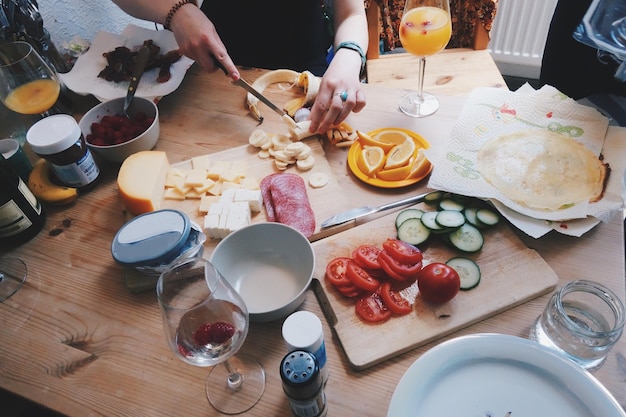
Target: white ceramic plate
[83, 78]
[498, 376]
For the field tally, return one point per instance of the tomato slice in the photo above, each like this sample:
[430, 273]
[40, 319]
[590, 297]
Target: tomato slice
[350, 291]
[372, 308]
[396, 269]
[336, 272]
[361, 278]
[396, 302]
[366, 256]
[402, 252]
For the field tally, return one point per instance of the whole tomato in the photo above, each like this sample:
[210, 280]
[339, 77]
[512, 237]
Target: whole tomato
[438, 283]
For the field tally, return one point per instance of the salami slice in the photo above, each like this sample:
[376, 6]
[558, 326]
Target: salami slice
[286, 201]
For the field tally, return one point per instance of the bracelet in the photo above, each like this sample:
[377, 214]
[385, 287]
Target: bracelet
[174, 9]
[353, 46]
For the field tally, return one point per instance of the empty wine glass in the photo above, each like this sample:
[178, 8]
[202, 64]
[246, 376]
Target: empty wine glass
[206, 322]
[27, 84]
[13, 274]
[425, 30]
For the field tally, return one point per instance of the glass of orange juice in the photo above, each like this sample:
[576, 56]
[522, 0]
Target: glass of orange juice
[27, 84]
[425, 30]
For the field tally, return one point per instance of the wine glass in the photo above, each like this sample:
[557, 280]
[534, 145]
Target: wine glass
[27, 84]
[425, 30]
[206, 322]
[13, 274]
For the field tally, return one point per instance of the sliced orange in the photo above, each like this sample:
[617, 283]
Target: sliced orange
[395, 137]
[371, 159]
[401, 154]
[367, 140]
[394, 174]
[419, 167]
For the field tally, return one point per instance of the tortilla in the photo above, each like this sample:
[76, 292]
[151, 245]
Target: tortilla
[542, 170]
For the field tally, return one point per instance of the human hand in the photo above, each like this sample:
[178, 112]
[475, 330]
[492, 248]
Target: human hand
[330, 108]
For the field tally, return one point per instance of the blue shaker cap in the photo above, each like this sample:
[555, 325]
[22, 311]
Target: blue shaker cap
[151, 238]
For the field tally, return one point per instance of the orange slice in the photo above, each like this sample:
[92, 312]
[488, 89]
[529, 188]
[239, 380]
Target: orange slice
[394, 174]
[395, 137]
[371, 159]
[367, 140]
[400, 155]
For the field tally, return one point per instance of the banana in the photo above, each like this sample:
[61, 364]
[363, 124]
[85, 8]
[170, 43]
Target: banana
[45, 190]
[267, 79]
[310, 84]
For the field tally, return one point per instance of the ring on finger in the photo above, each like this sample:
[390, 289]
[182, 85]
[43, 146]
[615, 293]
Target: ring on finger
[343, 95]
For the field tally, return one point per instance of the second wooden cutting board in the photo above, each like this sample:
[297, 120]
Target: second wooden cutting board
[511, 275]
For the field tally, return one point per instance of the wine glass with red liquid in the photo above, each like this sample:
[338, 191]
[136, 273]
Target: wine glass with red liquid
[206, 322]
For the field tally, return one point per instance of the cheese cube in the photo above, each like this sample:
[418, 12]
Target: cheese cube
[195, 178]
[141, 181]
[217, 168]
[249, 183]
[200, 162]
[252, 197]
[206, 201]
[173, 194]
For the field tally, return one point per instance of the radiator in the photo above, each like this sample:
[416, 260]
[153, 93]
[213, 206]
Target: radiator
[518, 36]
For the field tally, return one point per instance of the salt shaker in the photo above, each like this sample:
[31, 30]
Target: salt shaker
[303, 330]
[303, 385]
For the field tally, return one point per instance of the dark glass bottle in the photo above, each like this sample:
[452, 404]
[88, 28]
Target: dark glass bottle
[21, 215]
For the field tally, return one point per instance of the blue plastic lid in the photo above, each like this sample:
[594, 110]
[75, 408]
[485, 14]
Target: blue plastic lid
[152, 238]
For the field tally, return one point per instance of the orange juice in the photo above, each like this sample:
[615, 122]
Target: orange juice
[35, 97]
[425, 31]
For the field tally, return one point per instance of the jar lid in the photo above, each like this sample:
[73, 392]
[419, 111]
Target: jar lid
[300, 374]
[53, 134]
[303, 330]
[152, 238]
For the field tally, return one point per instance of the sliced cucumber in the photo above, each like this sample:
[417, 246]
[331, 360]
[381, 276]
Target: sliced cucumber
[451, 204]
[468, 271]
[429, 220]
[467, 238]
[450, 219]
[410, 213]
[413, 231]
[433, 198]
[487, 217]
[470, 216]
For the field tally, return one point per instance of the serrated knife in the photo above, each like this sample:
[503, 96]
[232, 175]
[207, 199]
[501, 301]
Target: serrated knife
[358, 212]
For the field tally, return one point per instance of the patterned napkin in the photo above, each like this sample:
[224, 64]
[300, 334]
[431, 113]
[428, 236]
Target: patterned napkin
[492, 112]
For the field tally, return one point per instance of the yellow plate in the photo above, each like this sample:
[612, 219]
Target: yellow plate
[355, 150]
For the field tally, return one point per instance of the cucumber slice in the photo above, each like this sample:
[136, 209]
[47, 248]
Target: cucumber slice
[410, 213]
[487, 217]
[450, 219]
[468, 271]
[467, 238]
[433, 198]
[428, 219]
[470, 216]
[413, 231]
[450, 204]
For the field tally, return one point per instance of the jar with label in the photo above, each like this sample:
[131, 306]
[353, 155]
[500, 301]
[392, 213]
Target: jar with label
[58, 139]
[303, 385]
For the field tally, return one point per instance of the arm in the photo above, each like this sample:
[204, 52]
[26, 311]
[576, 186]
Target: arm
[343, 73]
[194, 32]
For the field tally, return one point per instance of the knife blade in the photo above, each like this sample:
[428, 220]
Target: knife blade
[358, 212]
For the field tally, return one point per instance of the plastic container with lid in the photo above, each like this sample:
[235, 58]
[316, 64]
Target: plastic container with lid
[303, 385]
[303, 330]
[153, 240]
[58, 139]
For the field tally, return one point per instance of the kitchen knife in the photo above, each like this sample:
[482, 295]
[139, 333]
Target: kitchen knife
[355, 213]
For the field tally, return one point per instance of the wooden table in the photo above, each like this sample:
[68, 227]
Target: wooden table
[75, 340]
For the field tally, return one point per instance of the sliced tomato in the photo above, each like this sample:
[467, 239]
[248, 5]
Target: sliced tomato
[350, 291]
[396, 269]
[372, 309]
[361, 278]
[336, 272]
[366, 256]
[394, 300]
[403, 252]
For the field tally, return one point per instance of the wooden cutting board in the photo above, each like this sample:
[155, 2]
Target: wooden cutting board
[511, 275]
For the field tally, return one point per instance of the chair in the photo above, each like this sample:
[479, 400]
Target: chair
[464, 65]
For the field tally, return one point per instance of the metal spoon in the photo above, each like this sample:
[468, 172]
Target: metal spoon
[140, 66]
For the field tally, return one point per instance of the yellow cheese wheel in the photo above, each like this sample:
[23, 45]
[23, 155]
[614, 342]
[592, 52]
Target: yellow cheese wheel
[141, 181]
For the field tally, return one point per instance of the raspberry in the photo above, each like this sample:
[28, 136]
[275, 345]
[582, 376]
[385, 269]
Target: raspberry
[213, 333]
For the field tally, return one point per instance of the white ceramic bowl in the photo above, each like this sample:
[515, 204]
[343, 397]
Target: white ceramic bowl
[144, 142]
[271, 265]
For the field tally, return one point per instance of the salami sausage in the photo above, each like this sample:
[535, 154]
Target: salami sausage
[286, 201]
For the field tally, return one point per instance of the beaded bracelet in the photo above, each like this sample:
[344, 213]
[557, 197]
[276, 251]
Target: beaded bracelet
[353, 46]
[174, 9]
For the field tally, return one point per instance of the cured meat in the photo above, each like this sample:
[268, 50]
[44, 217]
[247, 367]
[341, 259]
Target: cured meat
[286, 202]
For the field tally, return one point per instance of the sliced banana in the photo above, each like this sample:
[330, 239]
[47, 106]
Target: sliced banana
[281, 141]
[281, 165]
[306, 163]
[264, 154]
[258, 137]
[304, 153]
[318, 179]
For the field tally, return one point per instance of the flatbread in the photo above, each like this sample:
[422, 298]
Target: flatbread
[542, 170]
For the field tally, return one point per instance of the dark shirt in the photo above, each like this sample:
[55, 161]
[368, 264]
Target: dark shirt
[272, 34]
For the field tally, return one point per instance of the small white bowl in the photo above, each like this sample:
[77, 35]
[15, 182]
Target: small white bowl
[144, 142]
[271, 266]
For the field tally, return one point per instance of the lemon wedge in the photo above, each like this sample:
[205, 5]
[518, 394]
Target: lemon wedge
[400, 154]
[392, 136]
[419, 167]
[394, 174]
[371, 159]
[367, 140]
